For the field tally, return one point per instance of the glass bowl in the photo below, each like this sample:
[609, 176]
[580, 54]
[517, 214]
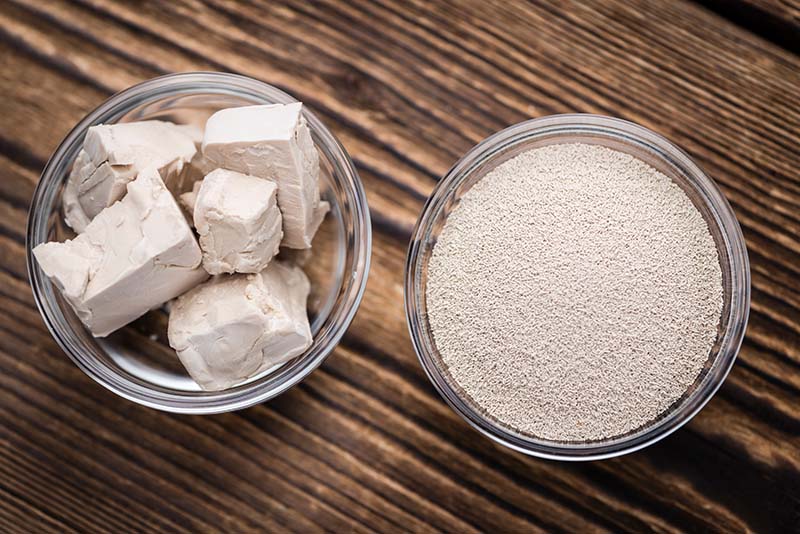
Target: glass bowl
[662, 155]
[136, 362]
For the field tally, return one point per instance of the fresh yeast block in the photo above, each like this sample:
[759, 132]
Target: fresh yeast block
[233, 327]
[272, 142]
[132, 257]
[113, 155]
[238, 220]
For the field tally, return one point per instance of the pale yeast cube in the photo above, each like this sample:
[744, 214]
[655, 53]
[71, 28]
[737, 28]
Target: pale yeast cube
[193, 172]
[134, 256]
[272, 142]
[113, 155]
[189, 198]
[233, 327]
[91, 188]
[196, 168]
[193, 132]
[140, 143]
[238, 221]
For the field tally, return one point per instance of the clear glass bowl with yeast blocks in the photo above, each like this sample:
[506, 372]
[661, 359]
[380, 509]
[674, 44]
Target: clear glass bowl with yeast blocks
[136, 362]
[658, 153]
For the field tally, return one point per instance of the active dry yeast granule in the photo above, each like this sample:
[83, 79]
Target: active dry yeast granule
[574, 293]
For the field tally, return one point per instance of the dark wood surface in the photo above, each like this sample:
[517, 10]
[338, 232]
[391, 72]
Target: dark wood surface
[365, 444]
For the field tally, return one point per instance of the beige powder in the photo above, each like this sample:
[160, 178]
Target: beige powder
[574, 293]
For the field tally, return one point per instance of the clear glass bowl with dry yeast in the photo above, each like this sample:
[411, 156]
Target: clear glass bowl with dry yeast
[603, 135]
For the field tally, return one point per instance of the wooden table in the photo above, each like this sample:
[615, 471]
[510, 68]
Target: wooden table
[365, 444]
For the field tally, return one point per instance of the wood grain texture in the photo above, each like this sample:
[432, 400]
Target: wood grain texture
[365, 444]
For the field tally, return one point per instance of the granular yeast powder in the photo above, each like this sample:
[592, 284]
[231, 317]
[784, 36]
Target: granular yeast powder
[574, 293]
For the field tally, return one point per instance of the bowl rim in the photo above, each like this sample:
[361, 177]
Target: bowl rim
[354, 279]
[723, 217]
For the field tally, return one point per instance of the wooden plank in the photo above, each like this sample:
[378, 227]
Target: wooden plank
[365, 443]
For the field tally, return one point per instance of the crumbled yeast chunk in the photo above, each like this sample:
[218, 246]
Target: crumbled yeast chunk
[233, 327]
[272, 142]
[238, 221]
[113, 155]
[188, 199]
[134, 256]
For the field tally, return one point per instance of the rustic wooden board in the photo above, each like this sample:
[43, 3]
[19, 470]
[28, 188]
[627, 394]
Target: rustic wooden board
[365, 444]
